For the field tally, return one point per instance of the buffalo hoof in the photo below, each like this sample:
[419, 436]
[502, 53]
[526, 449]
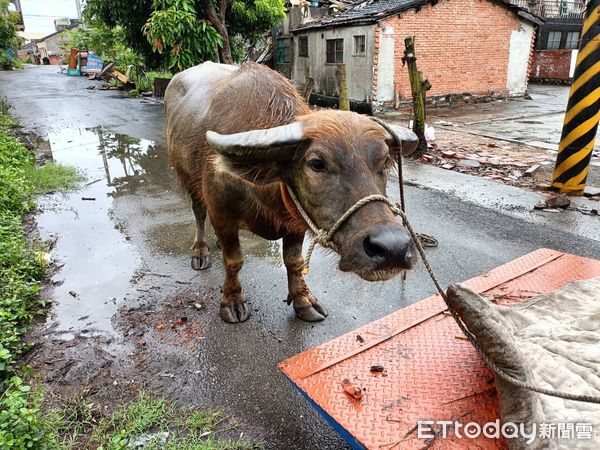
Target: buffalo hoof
[234, 312]
[201, 262]
[314, 313]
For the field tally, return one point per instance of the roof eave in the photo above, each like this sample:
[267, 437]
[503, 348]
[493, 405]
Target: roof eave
[531, 18]
[345, 23]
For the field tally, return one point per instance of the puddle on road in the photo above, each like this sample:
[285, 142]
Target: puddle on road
[137, 223]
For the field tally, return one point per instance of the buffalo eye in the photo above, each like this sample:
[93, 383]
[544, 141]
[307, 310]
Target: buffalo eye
[317, 165]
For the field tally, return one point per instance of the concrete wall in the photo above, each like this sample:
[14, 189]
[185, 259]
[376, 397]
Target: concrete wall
[359, 68]
[297, 15]
[521, 43]
[461, 45]
[53, 46]
[386, 64]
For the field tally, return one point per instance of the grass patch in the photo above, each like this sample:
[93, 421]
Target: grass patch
[149, 420]
[53, 177]
[21, 272]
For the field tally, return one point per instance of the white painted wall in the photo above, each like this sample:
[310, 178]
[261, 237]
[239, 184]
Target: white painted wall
[385, 65]
[574, 54]
[518, 58]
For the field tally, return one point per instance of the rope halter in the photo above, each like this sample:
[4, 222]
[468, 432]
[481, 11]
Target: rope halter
[325, 238]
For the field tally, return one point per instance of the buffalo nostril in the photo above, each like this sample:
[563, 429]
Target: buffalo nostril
[408, 257]
[373, 249]
[389, 248]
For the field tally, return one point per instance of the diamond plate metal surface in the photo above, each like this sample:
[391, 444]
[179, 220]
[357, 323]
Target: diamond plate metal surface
[431, 372]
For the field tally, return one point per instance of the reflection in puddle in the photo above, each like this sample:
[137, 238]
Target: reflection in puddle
[123, 220]
[176, 238]
[98, 260]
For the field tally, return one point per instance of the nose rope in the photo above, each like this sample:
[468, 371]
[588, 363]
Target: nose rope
[325, 238]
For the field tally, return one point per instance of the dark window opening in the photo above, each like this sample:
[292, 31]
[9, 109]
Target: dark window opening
[360, 45]
[283, 54]
[303, 46]
[334, 51]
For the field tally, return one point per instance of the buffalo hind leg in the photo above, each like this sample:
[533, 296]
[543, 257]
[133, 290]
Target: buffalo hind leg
[306, 306]
[200, 253]
[233, 307]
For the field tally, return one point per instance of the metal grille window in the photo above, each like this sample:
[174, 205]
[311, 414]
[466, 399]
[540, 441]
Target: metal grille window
[360, 46]
[283, 55]
[572, 39]
[334, 51]
[554, 40]
[303, 46]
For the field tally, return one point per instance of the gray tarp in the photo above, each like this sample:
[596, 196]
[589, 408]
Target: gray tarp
[553, 341]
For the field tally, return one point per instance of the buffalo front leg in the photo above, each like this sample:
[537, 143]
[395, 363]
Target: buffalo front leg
[200, 252]
[306, 306]
[233, 307]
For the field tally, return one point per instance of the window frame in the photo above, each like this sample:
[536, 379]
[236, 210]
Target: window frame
[285, 52]
[569, 44]
[303, 40]
[555, 43]
[355, 51]
[337, 42]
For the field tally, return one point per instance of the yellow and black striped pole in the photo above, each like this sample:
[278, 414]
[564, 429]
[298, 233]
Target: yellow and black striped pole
[583, 110]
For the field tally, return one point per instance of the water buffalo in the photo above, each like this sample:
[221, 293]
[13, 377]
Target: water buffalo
[237, 136]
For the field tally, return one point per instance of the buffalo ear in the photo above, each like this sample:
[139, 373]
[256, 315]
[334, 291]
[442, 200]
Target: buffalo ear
[258, 155]
[399, 137]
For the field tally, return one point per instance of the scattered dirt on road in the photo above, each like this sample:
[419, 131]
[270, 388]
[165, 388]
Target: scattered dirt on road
[500, 161]
[160, 351]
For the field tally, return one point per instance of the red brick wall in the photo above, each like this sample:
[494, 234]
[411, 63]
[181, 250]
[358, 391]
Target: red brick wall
[551, 64]
[461, 46]
[55, 59]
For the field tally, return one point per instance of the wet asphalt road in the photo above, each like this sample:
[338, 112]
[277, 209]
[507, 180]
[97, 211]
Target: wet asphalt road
[141, 227]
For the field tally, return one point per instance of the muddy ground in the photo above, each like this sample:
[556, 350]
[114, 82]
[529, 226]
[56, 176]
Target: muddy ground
[129, 313]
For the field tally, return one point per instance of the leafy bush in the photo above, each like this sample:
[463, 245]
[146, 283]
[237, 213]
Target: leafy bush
[22, 268]
[175, 25]
[9, 40]
[145, 82]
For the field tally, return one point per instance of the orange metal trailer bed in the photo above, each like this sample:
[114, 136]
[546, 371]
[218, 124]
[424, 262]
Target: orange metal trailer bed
[430, 371]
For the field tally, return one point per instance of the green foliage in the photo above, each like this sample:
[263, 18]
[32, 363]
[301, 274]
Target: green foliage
[145, 82]
[251, 19]
[130, 16]
[110, 44]
[20, 426]
[176, 27]
[9, 40]
[177, 34]
[22, 267]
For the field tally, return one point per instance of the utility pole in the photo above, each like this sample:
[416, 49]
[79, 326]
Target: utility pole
[418, 86]
[583, 110]
[343, 99]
